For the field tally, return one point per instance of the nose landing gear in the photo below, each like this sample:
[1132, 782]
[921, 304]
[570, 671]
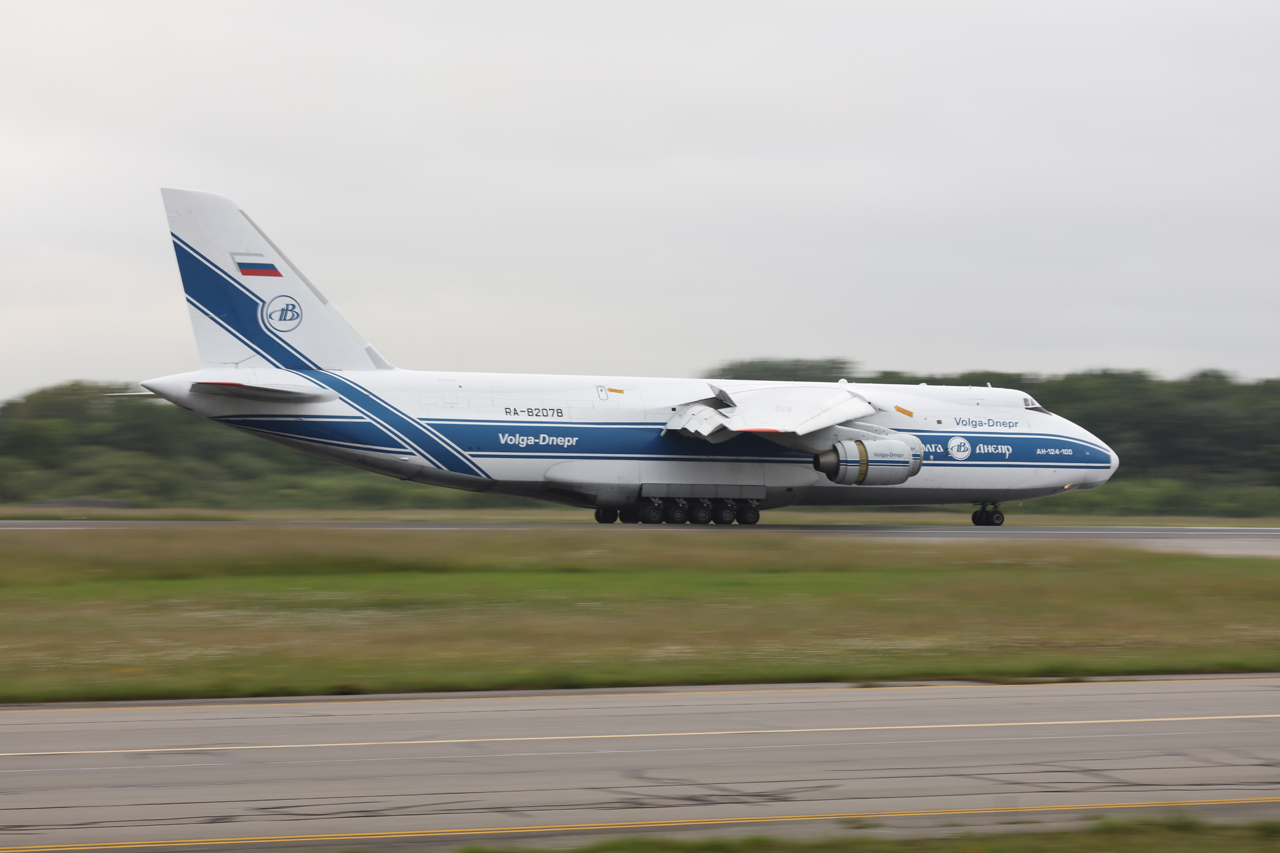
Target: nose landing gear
[983, 517]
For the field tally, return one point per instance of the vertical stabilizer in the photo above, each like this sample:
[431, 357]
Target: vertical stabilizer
[249, 305]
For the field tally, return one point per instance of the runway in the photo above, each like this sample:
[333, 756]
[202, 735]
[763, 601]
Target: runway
[1225, 541]
[413, 772]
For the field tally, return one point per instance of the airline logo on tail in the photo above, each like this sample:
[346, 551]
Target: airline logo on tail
[283, 313]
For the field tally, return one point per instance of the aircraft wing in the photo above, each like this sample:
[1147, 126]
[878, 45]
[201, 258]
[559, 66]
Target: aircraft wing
[797, 409]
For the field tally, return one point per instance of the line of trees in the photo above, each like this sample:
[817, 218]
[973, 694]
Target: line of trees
[1202, 445]
[70, 441]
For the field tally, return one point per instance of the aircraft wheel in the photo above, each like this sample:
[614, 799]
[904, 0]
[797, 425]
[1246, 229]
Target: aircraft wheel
[995, 518]
[723, 513]
[980, 517]
[606, 516]
[699, 514]
[747, 514]
[651, 514]
[629, 516]
[676, 513]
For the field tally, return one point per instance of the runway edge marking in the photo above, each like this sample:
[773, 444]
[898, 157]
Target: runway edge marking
[643, 824]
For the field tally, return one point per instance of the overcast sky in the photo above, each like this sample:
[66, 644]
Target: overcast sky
[654, 188]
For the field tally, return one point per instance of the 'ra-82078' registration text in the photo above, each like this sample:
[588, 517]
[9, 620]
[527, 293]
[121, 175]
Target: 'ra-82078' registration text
[534, 413]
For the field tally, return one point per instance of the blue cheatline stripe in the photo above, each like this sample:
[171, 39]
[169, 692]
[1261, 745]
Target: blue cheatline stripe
[292, 417]
[434, 447]
[227, 302]
[1101, 466]
[928, 434]
[531, 422]
[323, 442]
[641, 457]
[358, 432]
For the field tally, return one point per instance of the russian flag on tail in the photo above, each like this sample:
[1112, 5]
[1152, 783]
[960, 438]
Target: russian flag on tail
[247, 268]
[254, 267]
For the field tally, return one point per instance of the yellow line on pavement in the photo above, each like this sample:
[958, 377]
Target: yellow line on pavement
[824, 729]
[641, 824]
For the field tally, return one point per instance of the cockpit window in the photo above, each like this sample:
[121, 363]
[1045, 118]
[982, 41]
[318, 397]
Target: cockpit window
[1033, 406]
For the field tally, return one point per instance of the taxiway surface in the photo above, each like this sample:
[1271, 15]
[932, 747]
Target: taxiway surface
[1225, 541]
[450, 769]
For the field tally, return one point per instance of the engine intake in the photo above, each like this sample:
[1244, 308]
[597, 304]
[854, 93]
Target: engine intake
[871, 462]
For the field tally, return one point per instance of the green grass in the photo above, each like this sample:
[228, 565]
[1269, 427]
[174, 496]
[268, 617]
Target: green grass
[188, 612]
[1179, 834]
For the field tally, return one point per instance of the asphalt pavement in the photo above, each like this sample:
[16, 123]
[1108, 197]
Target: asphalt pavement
[1227, 541]
[565, 767]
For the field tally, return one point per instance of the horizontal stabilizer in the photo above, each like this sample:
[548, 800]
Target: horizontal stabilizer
[266, 393]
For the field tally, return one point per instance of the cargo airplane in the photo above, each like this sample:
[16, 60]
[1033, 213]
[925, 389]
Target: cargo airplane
[280, 362]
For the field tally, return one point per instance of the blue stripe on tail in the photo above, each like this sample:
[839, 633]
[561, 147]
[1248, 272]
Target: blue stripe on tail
[226, 302]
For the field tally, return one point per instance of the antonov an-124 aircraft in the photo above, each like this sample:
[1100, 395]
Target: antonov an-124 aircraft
[280, 362]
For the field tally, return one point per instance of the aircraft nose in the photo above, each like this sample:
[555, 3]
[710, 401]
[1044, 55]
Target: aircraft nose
[1099, 476]
[1095, 477]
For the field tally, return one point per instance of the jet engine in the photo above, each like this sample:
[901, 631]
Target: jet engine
[871, 461]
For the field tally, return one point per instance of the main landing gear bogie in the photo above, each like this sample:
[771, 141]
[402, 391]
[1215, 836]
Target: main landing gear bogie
[723, 512]
[652, 513]
[673, 511]
[700, 513]
[983, 517]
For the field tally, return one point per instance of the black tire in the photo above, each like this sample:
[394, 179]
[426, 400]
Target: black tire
[699, 514]
[980, 517]
[606, 516]
[629, 516]
[723, 513]
[651, 514]
[747, 514]
[995, 518]
[676, 514]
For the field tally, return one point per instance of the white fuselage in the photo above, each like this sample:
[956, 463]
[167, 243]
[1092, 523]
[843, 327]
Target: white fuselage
[600, 441]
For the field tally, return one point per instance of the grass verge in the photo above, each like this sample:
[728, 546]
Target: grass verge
[198, 612]
[1175, 835]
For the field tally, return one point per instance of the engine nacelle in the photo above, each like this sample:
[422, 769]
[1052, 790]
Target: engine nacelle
[871, 461]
